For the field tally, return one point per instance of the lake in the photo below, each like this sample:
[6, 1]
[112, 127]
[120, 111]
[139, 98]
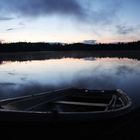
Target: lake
[30, 74]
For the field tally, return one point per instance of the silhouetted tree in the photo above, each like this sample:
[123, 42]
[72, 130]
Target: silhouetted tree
[29, 47]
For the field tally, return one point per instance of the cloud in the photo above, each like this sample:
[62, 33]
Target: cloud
[21, 24]
[106, 13]
[124, 70]
[124, 29]
[41, 7]
[85, 11]
[5, 18]
[89, 41]
[10, 29]
[7, 84]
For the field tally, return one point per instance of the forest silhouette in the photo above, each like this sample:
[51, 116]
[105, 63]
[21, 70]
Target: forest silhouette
[29, 47]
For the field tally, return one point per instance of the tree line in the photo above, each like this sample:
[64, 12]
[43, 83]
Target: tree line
[29, 47]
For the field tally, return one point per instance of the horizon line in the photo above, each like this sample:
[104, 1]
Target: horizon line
[96, 43]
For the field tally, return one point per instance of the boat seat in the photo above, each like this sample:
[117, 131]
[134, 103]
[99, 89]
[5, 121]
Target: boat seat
[81, 103]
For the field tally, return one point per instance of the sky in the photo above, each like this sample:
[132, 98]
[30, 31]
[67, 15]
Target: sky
[69, 21]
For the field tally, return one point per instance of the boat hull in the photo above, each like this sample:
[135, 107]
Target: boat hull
[15, 115]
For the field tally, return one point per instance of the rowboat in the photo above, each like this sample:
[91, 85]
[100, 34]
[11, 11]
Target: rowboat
[66, 105]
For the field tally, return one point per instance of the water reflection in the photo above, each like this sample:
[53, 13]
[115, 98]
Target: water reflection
[23, 78]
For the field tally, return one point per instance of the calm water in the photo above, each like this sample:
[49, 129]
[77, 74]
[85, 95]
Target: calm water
[29, 77]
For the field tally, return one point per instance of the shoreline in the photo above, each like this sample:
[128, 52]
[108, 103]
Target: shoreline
[42, 55]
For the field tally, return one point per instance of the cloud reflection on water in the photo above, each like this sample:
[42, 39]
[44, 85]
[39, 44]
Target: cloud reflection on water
[98, 73]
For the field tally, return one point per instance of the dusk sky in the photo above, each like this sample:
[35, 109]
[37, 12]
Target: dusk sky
[69, 21]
